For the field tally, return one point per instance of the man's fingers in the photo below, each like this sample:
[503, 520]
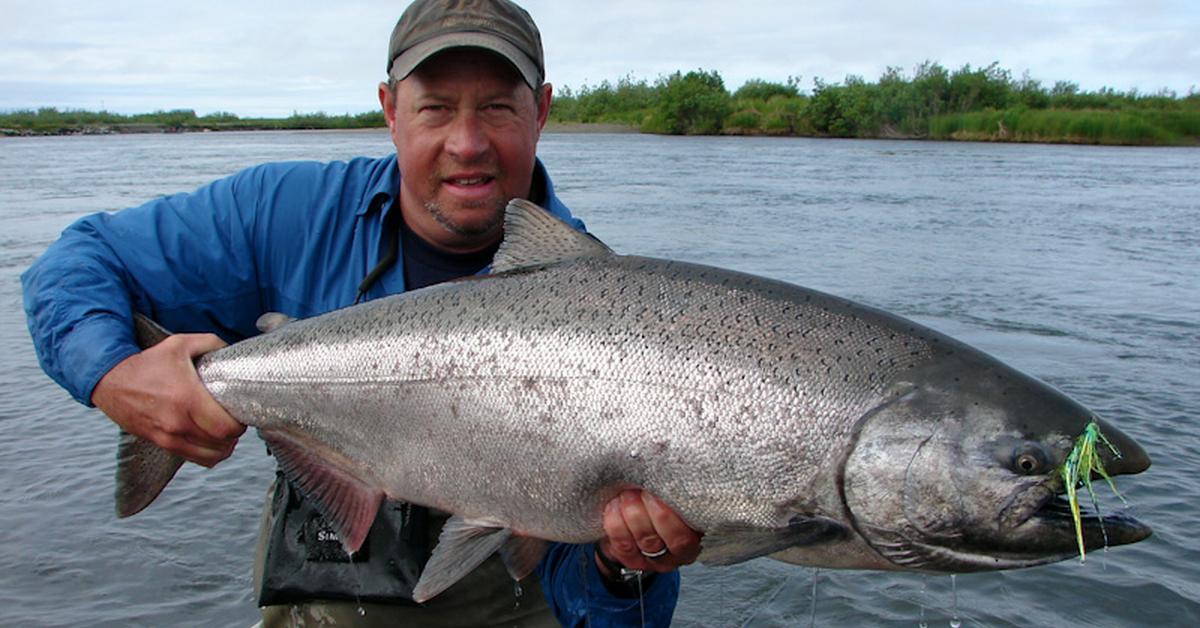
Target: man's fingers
[192, 451]
[214, 421]
[205, 412]
[619, 543]
[197, 345]
[204, 456]
[157, 395]
[632, 535]
[682, 541]
[645, 533]
[212, 450]
[640, 525]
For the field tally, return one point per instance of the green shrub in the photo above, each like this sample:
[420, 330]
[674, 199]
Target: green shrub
[744, 120]
[695, 103]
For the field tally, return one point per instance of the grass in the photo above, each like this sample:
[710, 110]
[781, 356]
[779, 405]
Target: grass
[1089, 126]
[930, 102]
[49, 120]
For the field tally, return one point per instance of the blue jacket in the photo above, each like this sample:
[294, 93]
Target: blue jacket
[294, 237]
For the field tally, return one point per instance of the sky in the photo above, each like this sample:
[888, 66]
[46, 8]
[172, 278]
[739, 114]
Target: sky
[273, 58]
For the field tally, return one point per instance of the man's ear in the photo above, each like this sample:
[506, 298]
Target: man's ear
[543, 104]
[387, 100]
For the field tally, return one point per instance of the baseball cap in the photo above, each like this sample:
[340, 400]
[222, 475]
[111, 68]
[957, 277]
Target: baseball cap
[431, 26]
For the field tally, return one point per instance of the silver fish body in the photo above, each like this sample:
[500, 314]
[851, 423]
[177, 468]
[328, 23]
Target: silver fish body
[776, 419]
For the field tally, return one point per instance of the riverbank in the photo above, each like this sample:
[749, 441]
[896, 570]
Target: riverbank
[968, 104]
[126, 129]
[971, 103]
[984, 128]
[694, 105]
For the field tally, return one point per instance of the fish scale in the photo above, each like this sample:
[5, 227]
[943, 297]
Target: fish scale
[775, 419]
[492, 364]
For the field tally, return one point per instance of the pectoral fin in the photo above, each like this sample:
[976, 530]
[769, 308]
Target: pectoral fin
[731, 544]
[338, 489]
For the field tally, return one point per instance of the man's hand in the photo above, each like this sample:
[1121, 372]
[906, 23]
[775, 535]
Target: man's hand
[156, 395]
[638, 524]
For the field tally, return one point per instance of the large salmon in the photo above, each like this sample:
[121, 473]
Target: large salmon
[776, 420]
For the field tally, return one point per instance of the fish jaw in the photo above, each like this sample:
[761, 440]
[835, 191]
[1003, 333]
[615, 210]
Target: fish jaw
[962, 474]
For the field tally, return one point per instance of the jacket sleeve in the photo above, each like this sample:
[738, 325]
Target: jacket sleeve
[185, 260]
[576, 592]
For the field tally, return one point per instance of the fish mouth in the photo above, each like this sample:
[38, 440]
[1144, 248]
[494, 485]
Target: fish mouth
[1041, 518]
[1047, 534]
[1037, 529]
[1051, 527]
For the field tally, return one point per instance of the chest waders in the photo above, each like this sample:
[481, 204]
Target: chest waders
[304, 559]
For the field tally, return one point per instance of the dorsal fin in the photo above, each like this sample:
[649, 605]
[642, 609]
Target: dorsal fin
[535, 237]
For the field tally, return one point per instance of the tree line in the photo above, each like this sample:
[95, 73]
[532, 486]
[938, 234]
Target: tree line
[970, 103]
[52, 121]
[973, 103]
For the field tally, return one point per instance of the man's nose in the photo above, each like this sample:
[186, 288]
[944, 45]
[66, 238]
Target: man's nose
[468, 139]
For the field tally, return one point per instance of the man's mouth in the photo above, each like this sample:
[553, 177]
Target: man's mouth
[470, 181]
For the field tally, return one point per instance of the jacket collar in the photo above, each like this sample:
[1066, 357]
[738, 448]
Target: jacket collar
[385, 181]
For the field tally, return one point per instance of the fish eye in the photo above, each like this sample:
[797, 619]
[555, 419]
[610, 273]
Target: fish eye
[1029, 459]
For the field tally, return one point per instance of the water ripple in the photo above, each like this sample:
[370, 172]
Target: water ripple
[1076, 264]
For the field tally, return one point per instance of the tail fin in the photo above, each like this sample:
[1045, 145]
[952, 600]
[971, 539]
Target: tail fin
[143, 471]
[143, 468]
[147, 332]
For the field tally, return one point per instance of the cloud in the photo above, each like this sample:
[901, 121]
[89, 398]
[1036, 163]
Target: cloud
[272, 58]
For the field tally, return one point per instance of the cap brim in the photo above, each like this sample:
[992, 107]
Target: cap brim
[408, 60]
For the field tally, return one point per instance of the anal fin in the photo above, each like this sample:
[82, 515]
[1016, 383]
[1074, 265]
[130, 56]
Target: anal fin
[521, 554]
[322, 476]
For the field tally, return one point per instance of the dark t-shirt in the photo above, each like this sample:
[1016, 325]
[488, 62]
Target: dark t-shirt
[425, 265]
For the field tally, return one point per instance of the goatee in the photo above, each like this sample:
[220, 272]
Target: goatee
[495, 219]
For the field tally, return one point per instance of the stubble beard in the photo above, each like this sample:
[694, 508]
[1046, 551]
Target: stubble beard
[494, 220]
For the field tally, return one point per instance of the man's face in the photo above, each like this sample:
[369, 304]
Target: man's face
[465, 128]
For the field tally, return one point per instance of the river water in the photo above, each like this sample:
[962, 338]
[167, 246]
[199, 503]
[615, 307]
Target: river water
[1080, 265]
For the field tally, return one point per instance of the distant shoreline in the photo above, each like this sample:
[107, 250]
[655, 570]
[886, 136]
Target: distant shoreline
[551, 127]
[971, 104]
[135, 129]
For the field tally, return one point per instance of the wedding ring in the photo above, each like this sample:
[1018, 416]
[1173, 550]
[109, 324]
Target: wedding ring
[659, 554]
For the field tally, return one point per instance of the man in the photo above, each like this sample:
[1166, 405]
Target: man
[465, 103]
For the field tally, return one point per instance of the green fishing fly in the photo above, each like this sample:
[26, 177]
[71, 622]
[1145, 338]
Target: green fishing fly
[1077, 470]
